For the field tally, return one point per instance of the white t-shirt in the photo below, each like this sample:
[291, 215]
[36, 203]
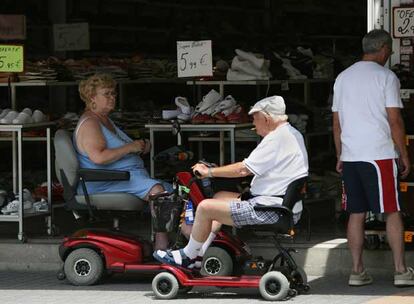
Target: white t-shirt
[278, 160]
[361, 95]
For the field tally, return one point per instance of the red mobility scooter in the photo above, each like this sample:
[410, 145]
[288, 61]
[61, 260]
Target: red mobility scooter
[276, 279]
[89, 254]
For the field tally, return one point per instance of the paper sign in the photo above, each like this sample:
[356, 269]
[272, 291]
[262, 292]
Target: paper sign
[194, 58]
[71, 36]
[403, 22]
[11, 58]
[12, 27]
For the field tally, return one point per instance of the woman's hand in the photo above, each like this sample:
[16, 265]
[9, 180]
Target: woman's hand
[202, 170]
[137, 146]
[147, 146]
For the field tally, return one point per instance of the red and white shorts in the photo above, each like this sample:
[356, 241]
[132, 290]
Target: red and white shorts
[371, 186]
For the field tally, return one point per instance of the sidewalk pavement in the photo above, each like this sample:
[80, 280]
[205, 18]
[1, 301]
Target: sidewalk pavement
[43, 288]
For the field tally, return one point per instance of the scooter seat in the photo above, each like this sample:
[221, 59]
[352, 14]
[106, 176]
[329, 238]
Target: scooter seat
[112, 201]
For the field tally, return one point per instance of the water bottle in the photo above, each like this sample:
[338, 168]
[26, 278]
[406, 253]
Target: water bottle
[189, 213]
[207, 189]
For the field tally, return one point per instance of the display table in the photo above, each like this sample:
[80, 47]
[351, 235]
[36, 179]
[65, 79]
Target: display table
[221, 128]
[17, 153]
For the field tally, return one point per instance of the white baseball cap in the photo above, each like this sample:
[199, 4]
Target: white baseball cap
[273, 105]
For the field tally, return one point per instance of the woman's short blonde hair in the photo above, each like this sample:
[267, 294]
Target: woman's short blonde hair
[89, 86]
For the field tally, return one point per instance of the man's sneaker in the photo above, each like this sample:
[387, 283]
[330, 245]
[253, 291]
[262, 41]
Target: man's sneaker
[175, 258]
[404, 279]
[359, 279]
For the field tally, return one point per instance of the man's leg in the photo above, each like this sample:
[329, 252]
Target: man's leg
[216, 226]
[208, 211]
[395, 240]
[355, 235]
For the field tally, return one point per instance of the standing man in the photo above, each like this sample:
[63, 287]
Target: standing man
[370, 145]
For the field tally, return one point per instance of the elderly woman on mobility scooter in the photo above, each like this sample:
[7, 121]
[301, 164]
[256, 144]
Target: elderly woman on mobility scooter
[100, 144]
[278, 160]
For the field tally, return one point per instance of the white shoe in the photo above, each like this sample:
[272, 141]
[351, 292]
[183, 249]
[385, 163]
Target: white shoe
[170, 114]
[210, 99]
[247, 67]
[184, 117]
[234, 75]
[38, 116]
[4, 113]
[22, 118]
[28, 111]
[8, 119]
[41, 206]
[183, 104]
[258, 62]
[11, 207]
[226, 103]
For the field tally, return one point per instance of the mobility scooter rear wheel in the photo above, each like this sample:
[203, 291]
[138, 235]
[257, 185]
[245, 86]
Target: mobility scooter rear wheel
[217, 262]
[274, 286]
[84, 267]
[165, 286]
[299, 280]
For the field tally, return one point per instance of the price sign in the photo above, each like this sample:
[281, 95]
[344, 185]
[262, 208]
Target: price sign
[194, 58]
[11, 58]
[403, 22]
[71, 36]
[12, 27]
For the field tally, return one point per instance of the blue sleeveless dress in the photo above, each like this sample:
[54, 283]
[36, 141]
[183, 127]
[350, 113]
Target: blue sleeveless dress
[140, 182]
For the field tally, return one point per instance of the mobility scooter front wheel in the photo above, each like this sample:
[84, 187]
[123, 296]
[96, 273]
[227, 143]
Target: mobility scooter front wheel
[84, 267]
[217, 262]
[165, 286]
[274, 286]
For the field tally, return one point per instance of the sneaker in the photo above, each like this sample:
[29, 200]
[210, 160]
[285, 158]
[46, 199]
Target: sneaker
[359, 279]
[209, 100]
[175, 258]
[11, 207]
[41, 206]
[404, 279]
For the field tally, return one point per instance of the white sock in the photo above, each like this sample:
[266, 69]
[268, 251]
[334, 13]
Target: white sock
[207, 244]
[193, 248]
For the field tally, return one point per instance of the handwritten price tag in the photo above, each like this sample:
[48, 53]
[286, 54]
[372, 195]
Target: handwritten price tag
[194, 58]
[403, 25]
[11, 58]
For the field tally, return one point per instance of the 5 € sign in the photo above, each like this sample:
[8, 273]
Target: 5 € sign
[194, 58]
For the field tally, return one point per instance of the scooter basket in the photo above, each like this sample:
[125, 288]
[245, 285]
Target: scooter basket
[165, 212]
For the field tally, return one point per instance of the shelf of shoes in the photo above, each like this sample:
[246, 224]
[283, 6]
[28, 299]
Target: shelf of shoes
[17, 159]
[221, 84]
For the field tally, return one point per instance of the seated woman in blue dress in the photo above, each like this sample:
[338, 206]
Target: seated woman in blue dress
[100, 144]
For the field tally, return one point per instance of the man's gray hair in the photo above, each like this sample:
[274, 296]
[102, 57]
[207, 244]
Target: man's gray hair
[374, 40]
[277, 118]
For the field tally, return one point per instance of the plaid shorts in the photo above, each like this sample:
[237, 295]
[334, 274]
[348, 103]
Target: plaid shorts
[243, 214]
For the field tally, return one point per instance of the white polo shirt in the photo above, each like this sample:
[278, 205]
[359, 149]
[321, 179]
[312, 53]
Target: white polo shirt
[361, 95]
[279, 159]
